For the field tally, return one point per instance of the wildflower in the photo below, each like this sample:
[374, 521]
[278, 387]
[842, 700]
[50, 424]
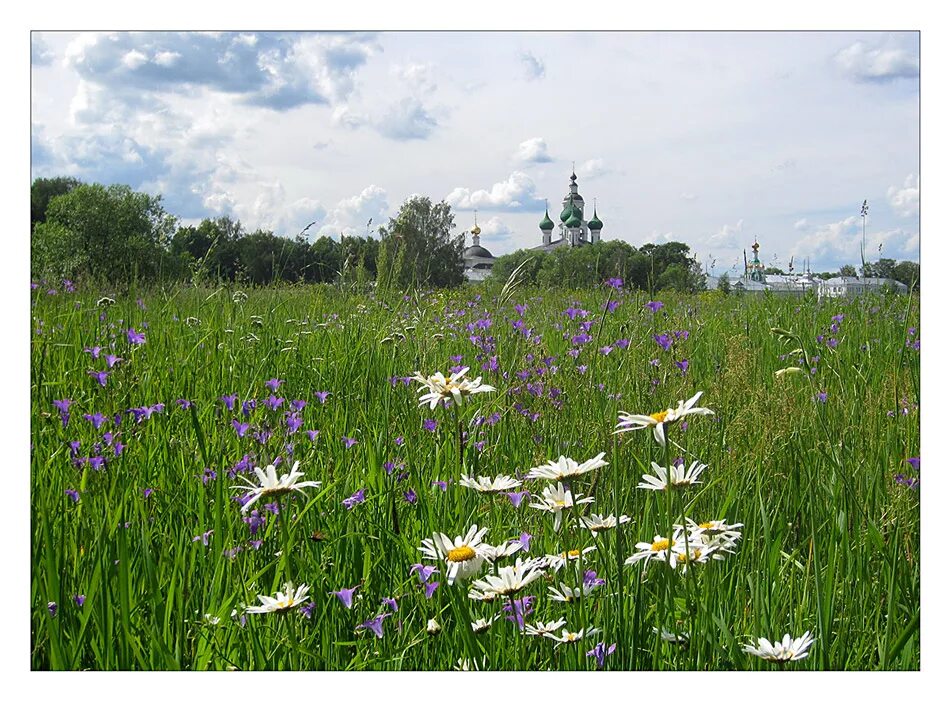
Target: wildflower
[914, 463]
[822, 397]
[683, 365]
[430, 425]
[463, 557]
[203, 537]
[357, 497]
[307, 609]
[600, 653]
[72, 494]
[481, 625]
[433, 627]
[568, 595]
[147, 492]
[668, 637]
[345, 596]
[283, 601]
[52, 606]
[543, 629]
[63, 406]
[596, 523]
[524, 540]
[555, 499]
[294, 422]
[715, 533]
[441, 484]
[136, 338]
[101, 376]
[272, 486]
[111, 360]
[273, 384]
[79, 600]
[787, 650]
[565, 468]
[788, 371]
[558, 561]
[664, 341]
[568, 637]
[94, 352]
[496, 552]
[454, 388]
[487, 485]
[658, 550]
[654, 306]
[508, 581]
[674, 477]
[517, 497]
[390, 602]
[240, 428]
[229, 401]
[375, 624]
[183, 403]
[633, 422]
[410, 496]
[349, 442]
[430, 588]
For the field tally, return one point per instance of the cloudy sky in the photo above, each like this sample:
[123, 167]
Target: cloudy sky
[712, 138]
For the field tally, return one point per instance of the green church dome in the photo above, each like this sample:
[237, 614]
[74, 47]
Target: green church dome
[595, 223]
[546, 223]
[574, 221]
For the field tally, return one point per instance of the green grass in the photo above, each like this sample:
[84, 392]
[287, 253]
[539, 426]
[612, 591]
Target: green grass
[830, 541]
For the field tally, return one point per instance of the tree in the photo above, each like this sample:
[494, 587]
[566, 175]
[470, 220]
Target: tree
[908, 272]
[848, 271]
[420, 235]
[723, 285]
[45, 189]
[111, 234]
[774, 271]
[883, 268]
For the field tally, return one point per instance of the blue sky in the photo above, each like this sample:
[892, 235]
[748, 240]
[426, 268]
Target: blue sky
[712, 138]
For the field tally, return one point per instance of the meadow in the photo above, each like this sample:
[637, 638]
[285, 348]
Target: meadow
[150, 411]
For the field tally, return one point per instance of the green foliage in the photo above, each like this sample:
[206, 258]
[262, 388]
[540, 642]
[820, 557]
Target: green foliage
[724, 285]
[426, 253]
[110, 234]
[667, 266]
[847, 271]
[908, 272]
[45, 189]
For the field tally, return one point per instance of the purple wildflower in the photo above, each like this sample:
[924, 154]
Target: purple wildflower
[600, 652]
[430, 589]
[183, 403]
[606, 350]
[914, 463]
[312, 435]
[399, 441]
[274, 384]
[203, 537]
[307, 609]
[73, 494]
[524, 539]
[358, 497]
[375, 624]
[79, 599]
[348, 442]
[622, 343]
[273, 402]
[229, 401]
[346, 596]
[410, 496]
[101, 376]
[683, 365]
[517, 497]
[522, 607]
[391, 603]
[654, 306]
[322, 396]
[614, 282]
[441, 484]
[424, 571]
[51, 607]
[96, 419]
[822, 397]
[111, 360]
[136, 338]
[298, 404]
[664, 341]
[429, 424]
[294, 422]
[94, 352]
[147, 492]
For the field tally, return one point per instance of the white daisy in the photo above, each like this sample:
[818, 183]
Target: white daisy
[567, 636]
[556, 498]
[596, 523]
[481, 625]
[281, 602]
[451, 389]
[565, 468]
[496, 552]
[717, 533]
[674, 477]
[633, 422]
[699, 553]
[508, 581]
[658, 550]
[486, 485]
[544, 628]
[463, 556]
[556, 562]
[271, 485]
[433, 627]
[787, 650]
[568, 595]
[668, 637]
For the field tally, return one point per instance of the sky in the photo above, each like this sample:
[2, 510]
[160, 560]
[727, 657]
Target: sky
[716, 139]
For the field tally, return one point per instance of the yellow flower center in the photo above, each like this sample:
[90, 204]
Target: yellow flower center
[660, 416]
[460, 554]
[573, 553]
[694, 553]
[661, 544]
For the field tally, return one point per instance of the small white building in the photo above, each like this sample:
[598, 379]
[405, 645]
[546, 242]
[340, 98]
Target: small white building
[853, 286]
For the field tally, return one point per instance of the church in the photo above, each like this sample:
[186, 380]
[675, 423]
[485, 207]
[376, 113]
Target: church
[572, 230]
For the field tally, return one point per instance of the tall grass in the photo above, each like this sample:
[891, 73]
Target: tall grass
[807, 462]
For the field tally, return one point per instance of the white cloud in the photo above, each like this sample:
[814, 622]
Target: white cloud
[166, 58]
[418, 76]
[837, 243]
[905, 201]
[688, 196]
[517, 192]
[533, 151]
[533, 66]
[801, 224]
[351, 215]
[863, 63]
[40, 55]
[727, 236]
[405, 120]
[593, 168]
[495, 230]
[656, 237]
[134, 59]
